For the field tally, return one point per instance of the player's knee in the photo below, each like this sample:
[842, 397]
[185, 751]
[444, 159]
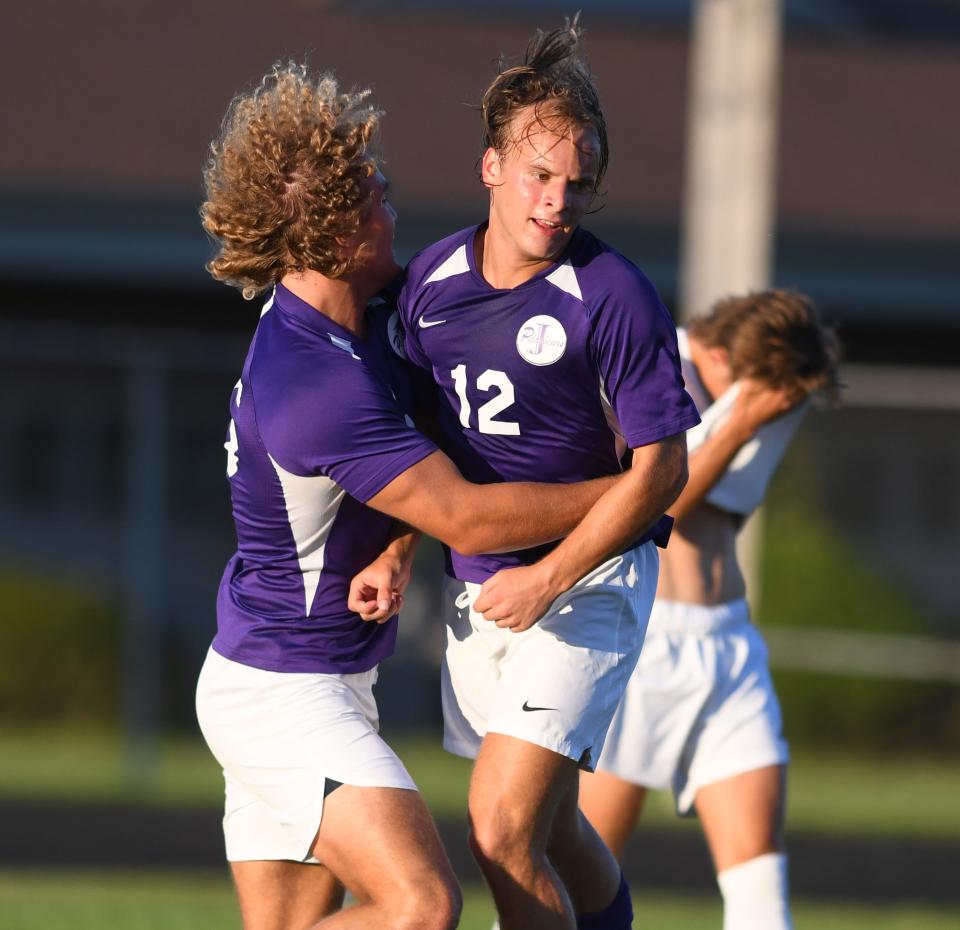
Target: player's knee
[751, 845]
[499, 834]
[437, 907]
[750, 851]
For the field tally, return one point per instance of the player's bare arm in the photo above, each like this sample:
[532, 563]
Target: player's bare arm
[516, 598]
[531, 513]
[700, 565]
[376, 593]
[473, 518]
[756, 404]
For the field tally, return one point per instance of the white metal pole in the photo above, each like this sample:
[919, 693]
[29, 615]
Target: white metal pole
[728, 223]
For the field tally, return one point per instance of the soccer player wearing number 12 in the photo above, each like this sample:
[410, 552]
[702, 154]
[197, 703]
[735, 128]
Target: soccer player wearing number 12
[553, 356]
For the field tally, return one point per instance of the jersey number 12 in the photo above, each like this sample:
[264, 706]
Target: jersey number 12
[491, 379]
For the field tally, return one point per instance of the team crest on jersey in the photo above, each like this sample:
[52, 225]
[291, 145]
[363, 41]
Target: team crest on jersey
[395, 334]
[541, 340]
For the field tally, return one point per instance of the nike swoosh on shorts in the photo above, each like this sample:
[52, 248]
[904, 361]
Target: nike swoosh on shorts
[528, 708]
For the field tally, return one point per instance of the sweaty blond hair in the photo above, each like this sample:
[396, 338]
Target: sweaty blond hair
[284, 182]
[555, 83]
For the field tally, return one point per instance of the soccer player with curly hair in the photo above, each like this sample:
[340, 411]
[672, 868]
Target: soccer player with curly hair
[326, 470]
[700, 715]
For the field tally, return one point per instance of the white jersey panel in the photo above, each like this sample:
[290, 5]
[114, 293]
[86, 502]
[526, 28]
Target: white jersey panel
[619, 442]
[312, 504]
[269, 303]
[566, 279]
[456, 264]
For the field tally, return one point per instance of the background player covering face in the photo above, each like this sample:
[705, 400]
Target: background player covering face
[323, 462]
[700, 715]
[552, 355]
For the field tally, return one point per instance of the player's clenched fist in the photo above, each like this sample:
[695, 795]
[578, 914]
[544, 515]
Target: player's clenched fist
[516, 598]
[376, 593]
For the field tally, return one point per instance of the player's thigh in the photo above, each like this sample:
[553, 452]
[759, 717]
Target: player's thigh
[280, 895]
[383, 845]
[742, 816]
[661, 706]
[612, 805]
[516, 790]
[561, 681]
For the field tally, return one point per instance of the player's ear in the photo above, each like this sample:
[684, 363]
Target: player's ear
[491, 168]
[346, 246]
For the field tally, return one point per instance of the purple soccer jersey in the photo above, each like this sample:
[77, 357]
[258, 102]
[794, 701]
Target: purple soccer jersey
[552, 380]
[317, 428]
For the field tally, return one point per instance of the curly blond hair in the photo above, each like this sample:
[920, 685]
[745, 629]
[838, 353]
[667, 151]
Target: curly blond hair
[285, 179]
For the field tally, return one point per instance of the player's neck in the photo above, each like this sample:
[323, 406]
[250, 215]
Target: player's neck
[498, 262]
[340, 299]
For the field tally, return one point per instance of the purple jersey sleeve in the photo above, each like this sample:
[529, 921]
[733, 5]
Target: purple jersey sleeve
[433, 263]
[635, 342]
[361, 445]
[413, 350]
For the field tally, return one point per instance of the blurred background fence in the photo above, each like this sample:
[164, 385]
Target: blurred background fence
[116, 528]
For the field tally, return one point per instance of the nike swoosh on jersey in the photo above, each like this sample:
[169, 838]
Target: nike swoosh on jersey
[425, 325]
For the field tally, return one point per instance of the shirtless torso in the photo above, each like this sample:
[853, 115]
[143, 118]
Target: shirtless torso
[700, 565]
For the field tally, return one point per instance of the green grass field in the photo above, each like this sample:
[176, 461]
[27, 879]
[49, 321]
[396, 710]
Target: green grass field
[137, 901]
[832, 793]
[908, 796]
[904, 796]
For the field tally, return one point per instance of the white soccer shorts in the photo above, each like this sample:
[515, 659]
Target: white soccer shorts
[557, 684]
[279, 736]
[700, 706]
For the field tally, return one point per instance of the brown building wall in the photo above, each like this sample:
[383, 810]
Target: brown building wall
[120, 99]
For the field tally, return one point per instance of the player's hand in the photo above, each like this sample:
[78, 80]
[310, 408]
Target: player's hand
[759, 403]
[515, 598]
[376, 593]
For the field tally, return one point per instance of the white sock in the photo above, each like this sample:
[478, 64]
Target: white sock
[755, 895]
